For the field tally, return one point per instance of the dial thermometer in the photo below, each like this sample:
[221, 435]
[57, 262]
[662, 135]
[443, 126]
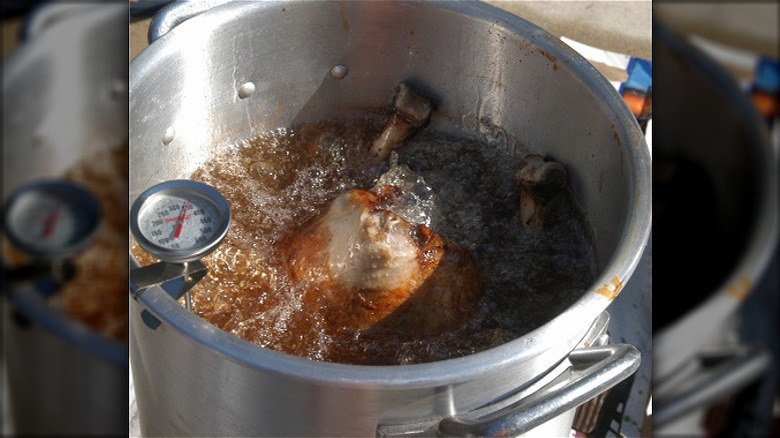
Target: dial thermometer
[180, 221]
[51, 219]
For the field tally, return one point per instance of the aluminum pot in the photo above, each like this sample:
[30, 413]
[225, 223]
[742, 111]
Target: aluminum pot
[65, 94]
[708, 128]
[484, 69]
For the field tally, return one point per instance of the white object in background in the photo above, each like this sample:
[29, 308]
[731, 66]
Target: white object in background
[612, 59]
[738, 62]
[612, 65]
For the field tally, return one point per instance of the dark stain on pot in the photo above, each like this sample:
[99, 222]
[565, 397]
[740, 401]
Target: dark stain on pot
[550, 57]
[343, 13]
[616, 137]
[615, 134]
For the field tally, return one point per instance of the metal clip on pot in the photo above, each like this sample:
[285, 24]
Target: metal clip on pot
[48, 276]
[715, 374]
[176, 279]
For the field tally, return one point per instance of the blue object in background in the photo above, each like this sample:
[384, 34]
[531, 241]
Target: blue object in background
[767, 75]
[640, 75]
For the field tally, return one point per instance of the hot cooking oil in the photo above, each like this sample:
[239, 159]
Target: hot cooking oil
[462, 189]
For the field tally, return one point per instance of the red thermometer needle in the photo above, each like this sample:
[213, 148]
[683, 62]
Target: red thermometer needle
[180, 221]
[50, 222]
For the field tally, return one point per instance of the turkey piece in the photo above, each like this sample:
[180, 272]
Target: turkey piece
[373, 269]
[540, 182]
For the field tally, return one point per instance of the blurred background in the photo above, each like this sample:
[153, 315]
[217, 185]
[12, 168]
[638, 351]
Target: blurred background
[715, 195]
[64, 222]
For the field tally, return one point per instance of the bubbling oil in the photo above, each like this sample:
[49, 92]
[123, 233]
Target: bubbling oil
[463, 189]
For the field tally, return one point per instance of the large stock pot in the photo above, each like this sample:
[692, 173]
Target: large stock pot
[64, 100]
[484, 69]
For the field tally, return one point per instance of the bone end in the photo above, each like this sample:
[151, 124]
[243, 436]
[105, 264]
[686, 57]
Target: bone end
[413, 108]
[411, 112]
[540, 182]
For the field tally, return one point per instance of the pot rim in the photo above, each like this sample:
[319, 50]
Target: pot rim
[575, 319]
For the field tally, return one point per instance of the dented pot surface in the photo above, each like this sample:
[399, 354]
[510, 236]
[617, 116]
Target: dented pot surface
[483, 68]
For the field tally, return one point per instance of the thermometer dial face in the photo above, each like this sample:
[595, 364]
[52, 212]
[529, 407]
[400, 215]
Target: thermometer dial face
[179, 221]
[51, 219]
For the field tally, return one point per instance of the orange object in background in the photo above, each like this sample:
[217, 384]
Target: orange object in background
[766, 103]
[765, 90]
[635, 101]
[637, 90]
[640, 103]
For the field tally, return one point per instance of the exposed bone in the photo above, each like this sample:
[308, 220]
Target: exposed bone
[411, 112]
[372, 269]
[540, 181]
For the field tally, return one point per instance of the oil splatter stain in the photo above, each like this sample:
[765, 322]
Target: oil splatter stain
[740, 289]
[611, 290]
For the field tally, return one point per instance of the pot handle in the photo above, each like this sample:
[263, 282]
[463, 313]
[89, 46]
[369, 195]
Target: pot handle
[593, 371]
[176, 13]
[720, 372]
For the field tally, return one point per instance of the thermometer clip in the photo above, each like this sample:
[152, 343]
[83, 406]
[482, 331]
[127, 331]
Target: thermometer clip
[176, 279]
